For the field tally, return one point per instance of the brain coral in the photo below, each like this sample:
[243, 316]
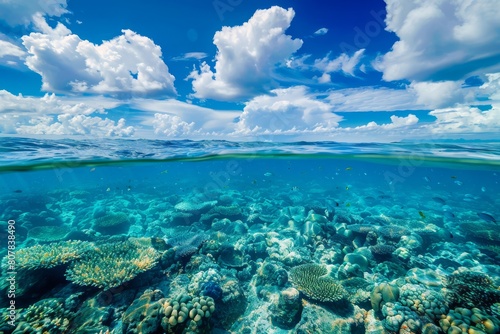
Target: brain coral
[111, 265]
[312, 280]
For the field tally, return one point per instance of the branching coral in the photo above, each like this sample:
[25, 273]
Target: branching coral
[111, 265]
[472, 289]
[312, 280]
[50, 255]
[46, 316]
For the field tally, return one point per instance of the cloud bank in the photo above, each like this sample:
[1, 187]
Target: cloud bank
[286, 111]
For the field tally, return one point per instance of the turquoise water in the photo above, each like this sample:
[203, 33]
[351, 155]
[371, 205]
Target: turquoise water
[240, 223]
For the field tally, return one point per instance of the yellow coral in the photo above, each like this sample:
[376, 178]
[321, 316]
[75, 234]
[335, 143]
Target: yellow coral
[111, 265]
[49, 255]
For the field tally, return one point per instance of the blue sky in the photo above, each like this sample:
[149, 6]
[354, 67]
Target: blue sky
[250, 70]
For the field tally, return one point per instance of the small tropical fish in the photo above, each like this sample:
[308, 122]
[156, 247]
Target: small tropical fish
[346, 187]
[348, 204]
[165, 171]
[109, 189]
[92, 169]
[295, 188]
[18, 191]
[348, 168]
[336, 203]
[453, 177]
[268, 174]
[449, 214]
[486, 217]
[458, 182]
[439, 200]
[427, 179]
[483, 189]
[421, 214]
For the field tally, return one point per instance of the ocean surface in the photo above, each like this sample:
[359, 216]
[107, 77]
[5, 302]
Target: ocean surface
[150, 236]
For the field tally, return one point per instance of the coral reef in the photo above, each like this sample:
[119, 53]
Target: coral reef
[143, 316]
[313, 280]
[186, 244]
[186, 314]
[383, 293]
[192, 207]
[50, 255]
[464, 320]
[110, 265]
[471, 289]
[48, 233]
[483, 232]
[112, 223]
[423, 301]
[286, 312]
[45, 316]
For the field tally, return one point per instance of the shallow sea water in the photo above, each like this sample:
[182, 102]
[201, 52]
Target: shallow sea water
[142, 236]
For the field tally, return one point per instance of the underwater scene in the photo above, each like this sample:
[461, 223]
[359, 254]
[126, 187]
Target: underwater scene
[150, 236]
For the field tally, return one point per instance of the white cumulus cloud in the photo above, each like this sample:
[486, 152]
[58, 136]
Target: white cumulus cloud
[127, 65]
[176, 118]
[286, 111]
[397, 122]
[171, 125]
[246, 56]
[52, 115]
[464, 119]
[48, 104]
[70, 125]
[492, 87]
[442, 40]
[21, 12]
[439, 94]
